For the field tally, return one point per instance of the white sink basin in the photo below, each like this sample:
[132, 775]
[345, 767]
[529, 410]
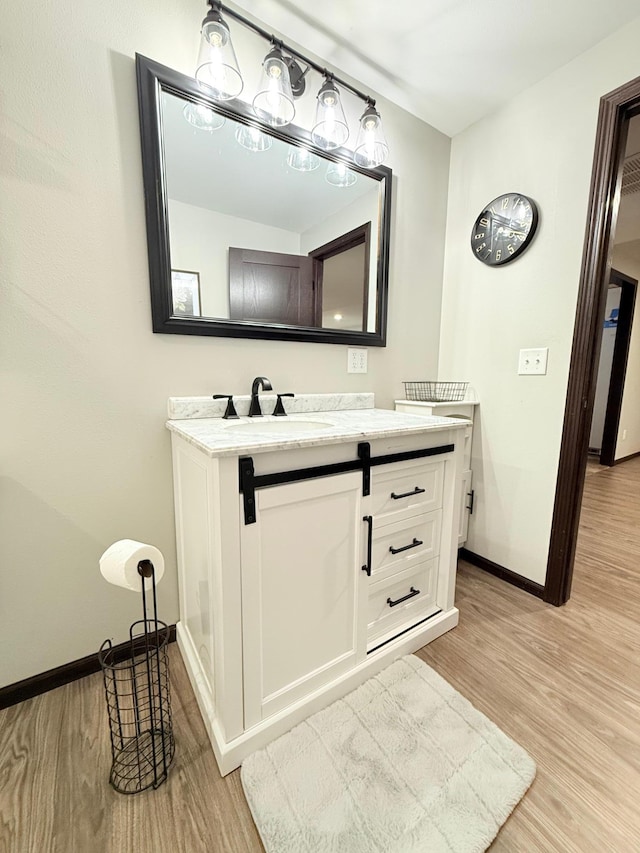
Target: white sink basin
[282, 426]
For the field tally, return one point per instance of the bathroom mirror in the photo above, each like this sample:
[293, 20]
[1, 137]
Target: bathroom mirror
[253, 231]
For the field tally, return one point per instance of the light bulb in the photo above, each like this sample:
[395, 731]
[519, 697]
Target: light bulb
[330, 129]
[203, 118]
[371, 146]
[273, 102]
[303, 160]
[217, 65]
[252, 138]
[339, 175]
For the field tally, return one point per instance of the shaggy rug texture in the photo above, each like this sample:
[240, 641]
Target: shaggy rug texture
[402, 764]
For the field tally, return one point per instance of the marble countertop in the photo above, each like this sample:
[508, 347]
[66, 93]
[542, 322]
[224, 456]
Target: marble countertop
[218, 437]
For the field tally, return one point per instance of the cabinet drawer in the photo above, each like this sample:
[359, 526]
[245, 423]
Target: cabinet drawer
[397, 602]
[405, 543]
[402, 490]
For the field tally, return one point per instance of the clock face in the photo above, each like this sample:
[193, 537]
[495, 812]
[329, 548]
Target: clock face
[504, 229]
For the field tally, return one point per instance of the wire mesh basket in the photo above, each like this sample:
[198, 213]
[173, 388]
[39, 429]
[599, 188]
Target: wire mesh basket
[430, 391]
[136, 684]
[138, 702]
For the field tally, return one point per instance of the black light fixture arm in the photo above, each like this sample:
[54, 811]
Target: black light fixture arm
[216, 5]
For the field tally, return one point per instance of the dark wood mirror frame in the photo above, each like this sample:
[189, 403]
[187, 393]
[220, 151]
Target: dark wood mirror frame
[153, 80]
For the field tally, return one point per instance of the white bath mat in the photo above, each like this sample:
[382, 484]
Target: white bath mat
[404, 764]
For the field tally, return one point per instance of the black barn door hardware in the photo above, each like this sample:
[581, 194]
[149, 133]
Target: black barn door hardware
[364, 453]
[250, 481]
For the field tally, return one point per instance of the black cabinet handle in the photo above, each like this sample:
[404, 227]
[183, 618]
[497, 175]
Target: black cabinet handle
[414, 544]
[367, 567]
[404, 597]
[416, 491]
[471, 496]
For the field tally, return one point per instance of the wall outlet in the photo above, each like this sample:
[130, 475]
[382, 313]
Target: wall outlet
[624, 435]
[356, 360]
[533, 361]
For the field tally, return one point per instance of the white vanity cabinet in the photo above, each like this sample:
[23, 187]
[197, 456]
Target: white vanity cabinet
[457, 409]
[304, 571]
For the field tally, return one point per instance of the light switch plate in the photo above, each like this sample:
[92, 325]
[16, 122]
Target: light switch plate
[356, 360]
[533, 361]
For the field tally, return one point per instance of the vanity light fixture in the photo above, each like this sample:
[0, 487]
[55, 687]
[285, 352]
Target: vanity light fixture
[371, 146]
[340, 175]
[303, 160]
[283, 80]
[330, 129]
[252, 138]
[202, 117]
[274, 101]
[217, 64]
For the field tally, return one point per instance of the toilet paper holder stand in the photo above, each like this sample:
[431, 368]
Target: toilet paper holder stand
[136, 682]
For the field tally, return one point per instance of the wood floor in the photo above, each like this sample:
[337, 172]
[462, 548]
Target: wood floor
[563, 682]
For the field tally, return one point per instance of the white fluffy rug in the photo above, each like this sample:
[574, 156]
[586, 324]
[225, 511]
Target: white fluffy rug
[404, 764]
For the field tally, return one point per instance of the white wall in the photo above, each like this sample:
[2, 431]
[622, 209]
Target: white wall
[200, 241]
[540, 144]
[86, 457]
[626, 259]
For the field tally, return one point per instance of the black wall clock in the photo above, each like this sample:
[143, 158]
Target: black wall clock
[504, 229]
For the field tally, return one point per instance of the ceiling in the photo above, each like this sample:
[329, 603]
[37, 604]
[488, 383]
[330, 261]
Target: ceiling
[449, 62]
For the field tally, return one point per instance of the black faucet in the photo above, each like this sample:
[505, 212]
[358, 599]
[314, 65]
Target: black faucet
[259, 382]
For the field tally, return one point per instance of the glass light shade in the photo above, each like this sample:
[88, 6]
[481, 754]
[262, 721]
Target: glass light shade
[203, 118]
[330, 129]
[217, 65]
[274, 101]
[253, 139]
[371, 146]
[303, 160]
[340, 175]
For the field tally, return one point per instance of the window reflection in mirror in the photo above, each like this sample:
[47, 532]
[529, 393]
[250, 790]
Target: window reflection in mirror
[274, 234]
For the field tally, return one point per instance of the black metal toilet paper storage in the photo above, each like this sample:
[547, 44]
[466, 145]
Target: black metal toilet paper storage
[136, 682]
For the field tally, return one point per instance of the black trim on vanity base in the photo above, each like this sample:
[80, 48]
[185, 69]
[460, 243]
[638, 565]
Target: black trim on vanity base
[61, 675]
[400, 633]
[500, 572]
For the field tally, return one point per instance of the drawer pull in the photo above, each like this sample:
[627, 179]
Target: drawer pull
[413, 544]
[404, 597]
[471, 496]
[416, 491]
[367, 567]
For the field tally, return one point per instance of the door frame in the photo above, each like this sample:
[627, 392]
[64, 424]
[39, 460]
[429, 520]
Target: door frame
[616, 108]
[356, 237]
[621, 346]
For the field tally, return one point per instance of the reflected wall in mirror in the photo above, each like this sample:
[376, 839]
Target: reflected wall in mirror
[288, 241]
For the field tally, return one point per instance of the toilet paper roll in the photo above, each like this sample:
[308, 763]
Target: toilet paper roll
[119, 563]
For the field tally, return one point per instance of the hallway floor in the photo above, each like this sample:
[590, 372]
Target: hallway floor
[563, 682]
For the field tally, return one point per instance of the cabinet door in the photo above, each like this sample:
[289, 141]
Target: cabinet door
[300, 590]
